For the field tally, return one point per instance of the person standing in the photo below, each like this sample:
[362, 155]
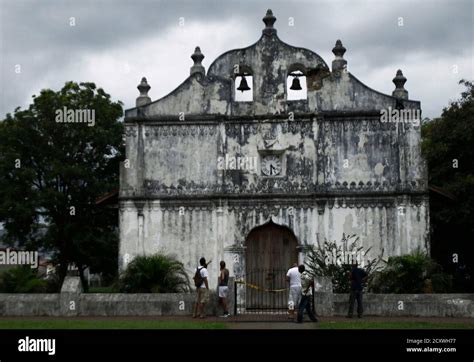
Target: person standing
[307, 284]
[202, 285]
[224, 288]
[357, 277]
[293, 277]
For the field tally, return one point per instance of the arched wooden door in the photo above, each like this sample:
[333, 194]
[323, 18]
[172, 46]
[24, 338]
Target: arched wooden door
[270, 251]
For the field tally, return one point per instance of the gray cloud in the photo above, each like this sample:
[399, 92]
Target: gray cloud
[114, 43]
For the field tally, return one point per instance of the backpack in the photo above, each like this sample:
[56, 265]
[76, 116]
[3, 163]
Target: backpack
[198, 279]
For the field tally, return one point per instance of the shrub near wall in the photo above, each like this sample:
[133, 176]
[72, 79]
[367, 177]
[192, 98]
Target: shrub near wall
[154, 274]
[24, 279]
[333, 260]
[414, 273]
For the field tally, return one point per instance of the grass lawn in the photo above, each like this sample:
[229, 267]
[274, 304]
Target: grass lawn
[106, 324]
[169, 323]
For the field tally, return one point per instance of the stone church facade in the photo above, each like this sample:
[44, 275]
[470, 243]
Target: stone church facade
[255, 183]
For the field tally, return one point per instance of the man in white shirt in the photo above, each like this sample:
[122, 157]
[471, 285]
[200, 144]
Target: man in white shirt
[293, 277]
[202, 289]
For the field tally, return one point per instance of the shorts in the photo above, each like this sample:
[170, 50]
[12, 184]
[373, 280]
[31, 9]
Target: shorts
[202, 295]
[294, 297]
[223, 291]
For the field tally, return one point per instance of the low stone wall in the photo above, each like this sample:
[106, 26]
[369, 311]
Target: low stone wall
[142, 304]
[323, 296]
[404, 305]
[91, 304]
[72, 302]
[29, 304]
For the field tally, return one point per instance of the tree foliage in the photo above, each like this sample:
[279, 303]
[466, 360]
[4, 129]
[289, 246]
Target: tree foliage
[448, 147]
[51, 174]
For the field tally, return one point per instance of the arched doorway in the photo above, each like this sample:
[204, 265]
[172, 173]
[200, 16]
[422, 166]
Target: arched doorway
[271, 250]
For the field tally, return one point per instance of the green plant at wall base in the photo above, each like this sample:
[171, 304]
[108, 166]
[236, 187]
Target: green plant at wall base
[334, 259]
[154, 274]
[413, 273]
[22, 279]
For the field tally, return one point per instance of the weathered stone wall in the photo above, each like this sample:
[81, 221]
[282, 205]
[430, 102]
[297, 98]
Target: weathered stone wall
[335, 154]
[416, 305]
[183, 204]
[143, 304]
[29, 304]
[407, 305]
[218, 232]
[90, 304]
[269, 61]
[73, 302]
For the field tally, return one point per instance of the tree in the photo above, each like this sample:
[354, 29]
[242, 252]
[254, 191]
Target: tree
[52, 172]
[448, 147]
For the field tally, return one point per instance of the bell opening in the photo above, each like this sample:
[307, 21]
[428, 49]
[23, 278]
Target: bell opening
[296, 86]
[243, 88]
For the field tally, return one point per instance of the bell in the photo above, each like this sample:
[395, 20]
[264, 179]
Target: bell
[295, 85]
[243, 85]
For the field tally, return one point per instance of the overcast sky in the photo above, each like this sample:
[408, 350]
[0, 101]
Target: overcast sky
[116, 42]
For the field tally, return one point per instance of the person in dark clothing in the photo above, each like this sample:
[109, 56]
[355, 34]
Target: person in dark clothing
[357, 277]
[306, 292]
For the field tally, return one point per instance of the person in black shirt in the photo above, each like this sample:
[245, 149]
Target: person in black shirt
[357, 277]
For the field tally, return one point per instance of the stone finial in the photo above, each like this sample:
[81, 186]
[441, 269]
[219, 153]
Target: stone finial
[339, 49]
[399, 81]
[269, 20]
[143, 88]
[197, 58]
[339, 63]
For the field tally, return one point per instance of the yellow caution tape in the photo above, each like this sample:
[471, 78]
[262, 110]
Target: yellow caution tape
[253, 286]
